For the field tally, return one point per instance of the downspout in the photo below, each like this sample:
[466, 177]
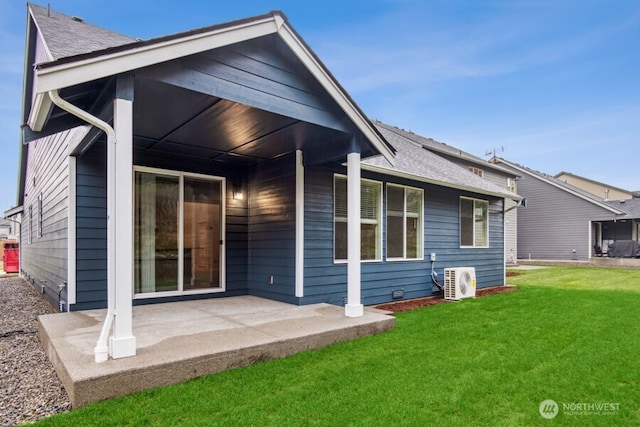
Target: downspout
[101, 350]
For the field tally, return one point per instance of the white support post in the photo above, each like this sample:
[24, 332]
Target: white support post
[354, 306]
[299, 225]
[123, 343]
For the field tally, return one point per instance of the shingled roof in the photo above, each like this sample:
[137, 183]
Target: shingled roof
[631, 207]
[442, 148]
[414, 162]
[562, 185]
[66, 36]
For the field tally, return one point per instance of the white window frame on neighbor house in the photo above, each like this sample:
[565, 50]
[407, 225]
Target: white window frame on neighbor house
[364, 221]
[479, 209]
[181, 238]
[405, 214]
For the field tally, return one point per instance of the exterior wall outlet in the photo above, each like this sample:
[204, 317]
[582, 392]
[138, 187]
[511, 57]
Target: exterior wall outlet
[270, 280]
[432, 257]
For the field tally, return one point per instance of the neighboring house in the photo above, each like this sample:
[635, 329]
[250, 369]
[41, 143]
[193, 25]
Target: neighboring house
[217, 162]
[598, 189]
[564, 222]
[493, 173]
[5, 230]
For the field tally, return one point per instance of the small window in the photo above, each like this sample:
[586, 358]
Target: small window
[476, 171]
[370, 213]
[40, 215]
[474, 223]
[511, 185]
[404, 222]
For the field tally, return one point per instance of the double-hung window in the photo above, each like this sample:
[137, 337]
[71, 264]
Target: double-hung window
[370, 219]
[404, 222]
[474, 223]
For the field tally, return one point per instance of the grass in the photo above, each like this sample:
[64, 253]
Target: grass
[488, 361]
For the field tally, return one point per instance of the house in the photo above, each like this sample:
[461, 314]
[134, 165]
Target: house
[564, 222]
[217, 162]
[493, 173]
[598, 189]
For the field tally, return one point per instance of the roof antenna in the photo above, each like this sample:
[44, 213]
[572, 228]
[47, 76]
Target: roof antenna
[49, 10]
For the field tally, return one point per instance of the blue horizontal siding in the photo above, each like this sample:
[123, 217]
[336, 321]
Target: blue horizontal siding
[326, 280]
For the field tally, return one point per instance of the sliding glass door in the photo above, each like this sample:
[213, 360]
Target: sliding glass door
[178, 228]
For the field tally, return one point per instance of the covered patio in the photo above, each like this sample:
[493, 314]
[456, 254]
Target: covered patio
[184, 340]
[185, 170]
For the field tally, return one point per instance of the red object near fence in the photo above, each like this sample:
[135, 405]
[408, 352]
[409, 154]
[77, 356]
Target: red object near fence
[11, 258]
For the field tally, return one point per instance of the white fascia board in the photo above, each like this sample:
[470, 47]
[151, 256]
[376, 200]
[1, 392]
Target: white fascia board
[567, 190]
[328, 83]
[40, 110]
[406, 175]
[84, 70]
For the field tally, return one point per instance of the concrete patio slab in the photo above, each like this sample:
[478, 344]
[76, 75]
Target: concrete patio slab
[184, 340]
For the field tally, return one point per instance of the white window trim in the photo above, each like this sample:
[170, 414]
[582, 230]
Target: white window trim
[404, 225]
[223, 236]
[474, 246]
[362, 221]
[39, 225]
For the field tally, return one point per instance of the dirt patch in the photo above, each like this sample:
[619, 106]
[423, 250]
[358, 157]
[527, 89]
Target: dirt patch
[513, 273]
[411, 304]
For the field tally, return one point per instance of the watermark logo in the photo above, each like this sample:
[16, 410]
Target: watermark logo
[548, 409]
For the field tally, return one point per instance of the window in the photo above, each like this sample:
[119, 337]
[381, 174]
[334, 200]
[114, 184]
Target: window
[511, 184]
[404, 222]
[474, 224]
[476, 171]
[178, 224]
[370, 213]
[40, 215]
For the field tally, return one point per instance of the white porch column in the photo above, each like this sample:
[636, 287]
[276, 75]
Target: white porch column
[123, 343]
[354, 306]
[299, 225]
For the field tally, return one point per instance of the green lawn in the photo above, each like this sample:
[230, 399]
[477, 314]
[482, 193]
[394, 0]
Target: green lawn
[488, 361]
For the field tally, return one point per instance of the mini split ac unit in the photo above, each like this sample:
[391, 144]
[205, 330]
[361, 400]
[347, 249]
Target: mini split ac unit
[459, 282]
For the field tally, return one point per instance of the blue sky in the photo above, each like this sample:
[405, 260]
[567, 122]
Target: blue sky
[553, 85]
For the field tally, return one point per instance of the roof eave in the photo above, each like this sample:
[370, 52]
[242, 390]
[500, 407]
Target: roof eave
[401, 174]
[55, 76]
[330, 84]
[565, 189]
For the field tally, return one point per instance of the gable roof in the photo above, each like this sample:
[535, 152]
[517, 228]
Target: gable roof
[65, 36]
[112, 59]
[414, 162]
[445, 149]
[568, 188]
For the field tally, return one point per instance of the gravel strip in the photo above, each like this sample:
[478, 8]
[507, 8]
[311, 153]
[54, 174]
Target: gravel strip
[29, 387]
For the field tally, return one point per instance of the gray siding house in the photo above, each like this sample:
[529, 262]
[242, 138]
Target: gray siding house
[227, 161]
[564, 222]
